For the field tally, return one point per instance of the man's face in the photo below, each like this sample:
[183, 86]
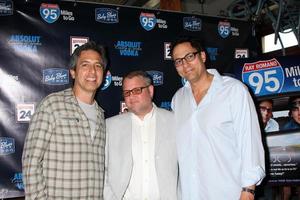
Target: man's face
[88, 73]
[192, 69]
[266, 111]
[296, 110]
[139, 104]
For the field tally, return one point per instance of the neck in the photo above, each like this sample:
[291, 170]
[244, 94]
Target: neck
[143, 114]
[85, 97]
[201, 86]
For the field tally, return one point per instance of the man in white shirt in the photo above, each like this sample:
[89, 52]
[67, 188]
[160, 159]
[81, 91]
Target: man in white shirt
[141, 160]
[219, 146]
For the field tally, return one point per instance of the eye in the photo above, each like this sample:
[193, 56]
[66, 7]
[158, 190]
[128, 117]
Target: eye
[99, 65]
[136, 90]
[189, 56]
[84, 64]
[178, 62]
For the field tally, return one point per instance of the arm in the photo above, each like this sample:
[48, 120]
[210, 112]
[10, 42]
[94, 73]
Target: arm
[36, 143]
[249, 141]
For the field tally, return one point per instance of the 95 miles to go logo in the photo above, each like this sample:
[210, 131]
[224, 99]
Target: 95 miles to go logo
[264, 77]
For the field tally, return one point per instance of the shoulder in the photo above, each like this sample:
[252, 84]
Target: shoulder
[161, 111]
[52, 99]
[118, 118]
[234, 88]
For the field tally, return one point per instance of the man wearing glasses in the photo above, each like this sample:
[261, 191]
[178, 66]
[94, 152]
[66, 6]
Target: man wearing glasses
[266, 107]
[141, 159]
[219, 146]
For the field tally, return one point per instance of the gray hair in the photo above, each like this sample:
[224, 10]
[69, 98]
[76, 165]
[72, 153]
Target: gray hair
[91, 45]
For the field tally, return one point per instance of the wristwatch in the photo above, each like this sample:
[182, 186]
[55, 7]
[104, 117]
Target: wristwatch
[245, 189]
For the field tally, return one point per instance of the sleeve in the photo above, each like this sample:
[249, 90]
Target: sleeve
[248, 135]
[35, 145]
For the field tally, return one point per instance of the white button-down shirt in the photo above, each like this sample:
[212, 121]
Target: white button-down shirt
[143, 183]
[218, 141]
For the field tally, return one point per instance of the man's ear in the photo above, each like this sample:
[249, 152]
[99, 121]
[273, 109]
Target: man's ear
[72, 72]
[203, 56]
[151, 90]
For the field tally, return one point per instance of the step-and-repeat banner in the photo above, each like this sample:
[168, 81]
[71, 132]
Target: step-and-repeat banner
[38, 37]
[275, 82]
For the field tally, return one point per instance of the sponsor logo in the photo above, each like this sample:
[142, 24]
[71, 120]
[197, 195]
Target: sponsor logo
[224, 29]
[157, 77]
[24, 111]
[18, 181]
[106, 15]
[49, 12]
[107, 81]
[212, 52]
[167, 51]
[241, 53]
[67, 15]
[161, 23]
[76, 42]
[128, 48]
[123, 107]
[165, 105]
[9, 80]
[55, 76]
[117, 80]
[192, 23]
[6, 7]
[7, 145]
[234, 31]
[264, 77]
[25, 43]
[148, 21]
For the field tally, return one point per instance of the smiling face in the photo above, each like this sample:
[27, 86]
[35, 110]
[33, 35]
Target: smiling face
[88, 73]
[139, 104]
[191, 70]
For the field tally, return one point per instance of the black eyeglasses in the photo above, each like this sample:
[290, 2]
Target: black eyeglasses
[265, 109]
[188, 58]
[134, 91]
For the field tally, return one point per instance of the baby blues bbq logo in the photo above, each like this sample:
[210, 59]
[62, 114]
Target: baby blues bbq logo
[6, 7]
[148, 21]
[192, 23]
[49, 12]
[224, 29]
[106, 15]
[55, 76]
[129, 48]
[157, 77]
[17, 180]
[107, 81]
[7, 145]
[264, 77]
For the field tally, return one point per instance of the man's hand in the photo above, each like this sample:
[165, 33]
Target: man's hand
[246, 196]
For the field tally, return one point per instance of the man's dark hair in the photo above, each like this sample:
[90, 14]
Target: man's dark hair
[195, 43]
[291, 101]
[91, 45]
[140, 73]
